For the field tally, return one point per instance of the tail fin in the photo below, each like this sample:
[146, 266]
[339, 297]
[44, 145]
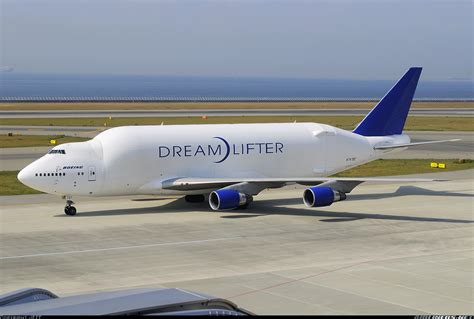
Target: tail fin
[389, 115]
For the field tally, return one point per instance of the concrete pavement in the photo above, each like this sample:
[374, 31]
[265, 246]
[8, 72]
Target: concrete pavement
[388, 249]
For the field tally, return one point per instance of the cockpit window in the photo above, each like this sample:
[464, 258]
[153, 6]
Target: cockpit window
[57, 152]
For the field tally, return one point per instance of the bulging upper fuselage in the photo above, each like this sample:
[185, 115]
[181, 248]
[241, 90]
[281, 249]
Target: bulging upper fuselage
[135, 159]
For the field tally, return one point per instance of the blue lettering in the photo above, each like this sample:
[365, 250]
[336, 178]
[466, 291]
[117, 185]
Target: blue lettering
[177, 150]
[279, 147]
[161, 150]
[249, 147]
[199, 150]
[210, 150]
[213, 150]
[269, 148]
[234, 151]
[187, 150]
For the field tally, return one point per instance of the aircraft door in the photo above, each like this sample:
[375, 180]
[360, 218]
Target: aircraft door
[330, 147]
[56, 179]
[92, 174]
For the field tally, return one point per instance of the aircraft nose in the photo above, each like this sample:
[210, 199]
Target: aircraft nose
[25, 176]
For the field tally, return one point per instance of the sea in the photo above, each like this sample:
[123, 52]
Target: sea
[97, 87]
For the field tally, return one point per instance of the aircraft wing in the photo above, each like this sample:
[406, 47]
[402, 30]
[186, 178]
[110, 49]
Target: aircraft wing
[392, 146]
[196, 183]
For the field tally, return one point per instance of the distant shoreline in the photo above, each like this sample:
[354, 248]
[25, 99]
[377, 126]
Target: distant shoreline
[205, 100]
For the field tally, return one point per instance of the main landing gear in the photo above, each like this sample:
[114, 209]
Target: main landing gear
[194, 198]
[69, 209]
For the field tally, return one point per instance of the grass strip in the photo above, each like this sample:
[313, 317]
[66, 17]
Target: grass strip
[415, 123]
[15, 140]
[9, 106]
[389, 167]
[10, 185]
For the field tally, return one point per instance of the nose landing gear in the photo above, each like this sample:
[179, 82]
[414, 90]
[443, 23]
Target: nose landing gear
[69, 209]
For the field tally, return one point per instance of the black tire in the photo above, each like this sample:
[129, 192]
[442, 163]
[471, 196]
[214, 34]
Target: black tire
[243, 206]
[70, 210]
[194, 198]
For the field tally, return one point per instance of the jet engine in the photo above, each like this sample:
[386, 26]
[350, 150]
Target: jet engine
[321, 196]
[228, 199]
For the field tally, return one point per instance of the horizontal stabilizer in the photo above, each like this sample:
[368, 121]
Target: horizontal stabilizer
[392, 146]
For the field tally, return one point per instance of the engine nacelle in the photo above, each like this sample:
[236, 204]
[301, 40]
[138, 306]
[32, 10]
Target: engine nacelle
[321, 196]
[228, 199]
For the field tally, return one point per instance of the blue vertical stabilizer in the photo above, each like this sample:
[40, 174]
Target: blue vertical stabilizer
[389, 115]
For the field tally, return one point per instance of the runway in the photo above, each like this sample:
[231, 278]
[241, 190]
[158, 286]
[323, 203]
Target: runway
[225, 112]
[17, 158]
[388, 249]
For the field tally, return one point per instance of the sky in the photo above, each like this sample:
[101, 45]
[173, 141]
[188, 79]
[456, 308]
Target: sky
[332, 39]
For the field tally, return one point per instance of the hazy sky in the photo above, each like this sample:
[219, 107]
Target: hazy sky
[294, 38]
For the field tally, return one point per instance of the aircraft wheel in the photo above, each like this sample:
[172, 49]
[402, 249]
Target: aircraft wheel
[243, 206]
[194, 198]
[70, 210]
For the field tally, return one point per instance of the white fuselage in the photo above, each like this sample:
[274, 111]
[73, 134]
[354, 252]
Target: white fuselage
[133, 160]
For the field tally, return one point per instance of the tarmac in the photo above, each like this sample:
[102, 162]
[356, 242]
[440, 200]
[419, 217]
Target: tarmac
[387, 249]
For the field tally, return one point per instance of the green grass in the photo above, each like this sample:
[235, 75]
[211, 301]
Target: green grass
[9, 185]
[35, 140]
[388, 167]
[418, 123]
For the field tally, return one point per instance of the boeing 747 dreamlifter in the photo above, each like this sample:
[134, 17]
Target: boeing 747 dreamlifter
[229, 163]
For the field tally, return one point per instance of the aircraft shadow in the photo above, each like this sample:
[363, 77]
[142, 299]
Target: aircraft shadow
[262, 208]
[405, 191]
[401, 191]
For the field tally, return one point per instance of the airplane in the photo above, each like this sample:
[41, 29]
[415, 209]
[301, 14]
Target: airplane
[227, 163]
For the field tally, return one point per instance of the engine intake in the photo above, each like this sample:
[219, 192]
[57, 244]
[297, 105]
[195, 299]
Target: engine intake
[228, 199]
[321, 196]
